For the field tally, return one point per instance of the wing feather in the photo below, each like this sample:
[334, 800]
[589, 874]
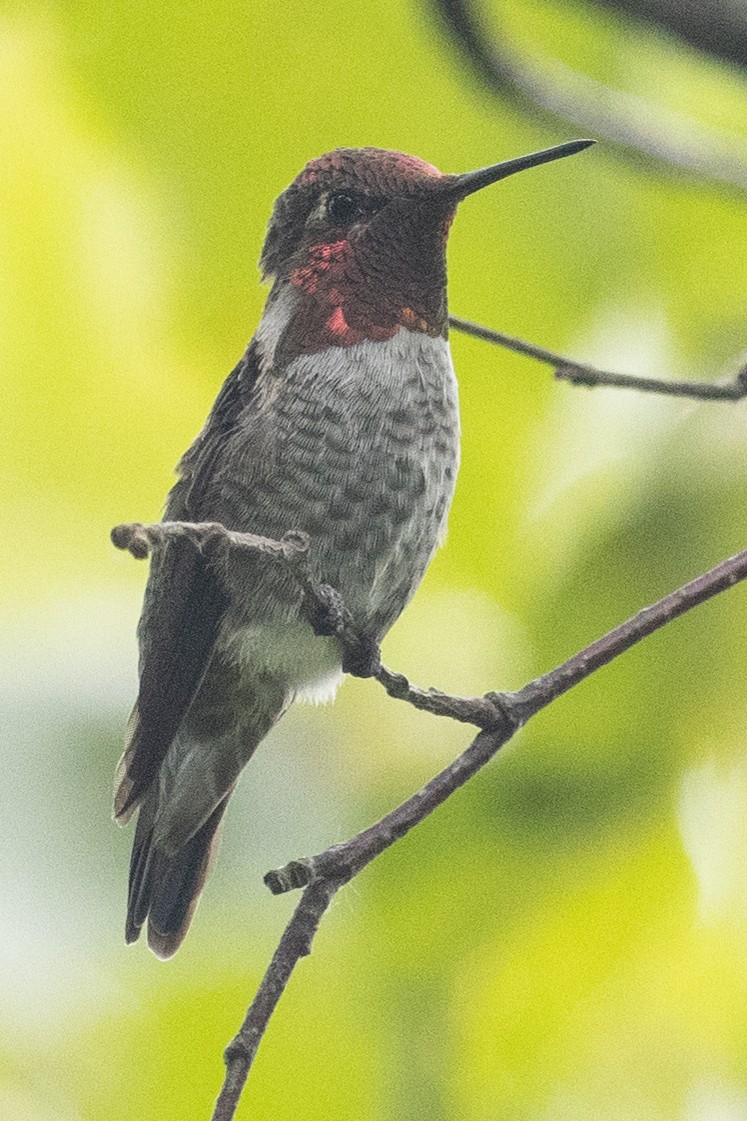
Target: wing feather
[184, 604]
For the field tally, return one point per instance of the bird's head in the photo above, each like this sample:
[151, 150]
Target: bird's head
[361, 235]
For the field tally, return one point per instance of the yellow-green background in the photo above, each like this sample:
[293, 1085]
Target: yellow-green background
[567, 939]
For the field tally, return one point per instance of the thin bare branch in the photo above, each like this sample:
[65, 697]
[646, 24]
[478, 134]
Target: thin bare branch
[340, 863]
[499, 715]
[324, 607]
[581, 373]
[294, 944]
[559, 96]
[510, 712]
[141, 539]
[325, 610]
[480, 711]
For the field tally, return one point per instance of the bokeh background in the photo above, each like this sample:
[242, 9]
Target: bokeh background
[567, 939]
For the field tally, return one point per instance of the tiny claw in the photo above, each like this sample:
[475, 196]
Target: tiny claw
[139, 546]
[325, 612]
[363, 658]
[296, 541]
[121, 535]
[131, 537]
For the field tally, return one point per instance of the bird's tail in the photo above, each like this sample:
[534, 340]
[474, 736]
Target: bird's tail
[165, 889]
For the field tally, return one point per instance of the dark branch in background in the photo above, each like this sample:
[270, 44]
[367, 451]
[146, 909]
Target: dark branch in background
[499, 715]
[580, 373]
[558, 96]
[715, 27]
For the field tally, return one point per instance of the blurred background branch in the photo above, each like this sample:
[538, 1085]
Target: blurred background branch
[559, 96]
[716, 27]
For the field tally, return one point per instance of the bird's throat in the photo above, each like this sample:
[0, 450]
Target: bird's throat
[341, 303]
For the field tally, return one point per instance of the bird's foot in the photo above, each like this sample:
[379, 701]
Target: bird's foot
[326, 611]
[328, 616]
[361, 657]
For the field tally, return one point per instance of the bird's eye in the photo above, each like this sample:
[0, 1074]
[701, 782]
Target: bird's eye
[342, 209]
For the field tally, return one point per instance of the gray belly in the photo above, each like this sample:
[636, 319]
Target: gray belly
[359, 447]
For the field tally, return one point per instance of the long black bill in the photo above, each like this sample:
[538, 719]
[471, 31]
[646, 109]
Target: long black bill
[471, 181]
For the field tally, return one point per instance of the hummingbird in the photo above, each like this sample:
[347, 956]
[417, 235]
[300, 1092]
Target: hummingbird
[341, 419]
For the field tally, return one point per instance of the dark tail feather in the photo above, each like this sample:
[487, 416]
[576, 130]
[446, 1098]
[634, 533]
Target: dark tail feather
[164, 889]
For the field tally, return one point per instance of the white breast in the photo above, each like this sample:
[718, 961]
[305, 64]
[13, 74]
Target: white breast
[363, 456]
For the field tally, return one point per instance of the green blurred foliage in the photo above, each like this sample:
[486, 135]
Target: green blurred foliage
[567, 939]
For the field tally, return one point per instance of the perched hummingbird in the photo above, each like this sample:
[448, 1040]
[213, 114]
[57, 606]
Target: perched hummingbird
[341, 420]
